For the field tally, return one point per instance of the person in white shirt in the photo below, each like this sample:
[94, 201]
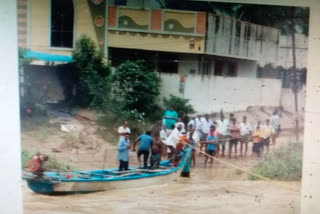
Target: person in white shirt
[172, 141]
[275, 122]
[180, 123]
[223, 129]
[197, 123]
[245, 133]
[123, 130]
[206, 123]
[163, 133]
[194, 139]
[164, 136]
[192, 122]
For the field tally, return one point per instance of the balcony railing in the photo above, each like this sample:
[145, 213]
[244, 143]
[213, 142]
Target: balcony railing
[234, 38]
[172, 22]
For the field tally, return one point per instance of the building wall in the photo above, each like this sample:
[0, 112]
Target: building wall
[285, 52]
[22, 23]
[211, 94]
[40, 25]
[154, 42]
[287, 99]
[83, 20]
[157, 30]
[233, 38]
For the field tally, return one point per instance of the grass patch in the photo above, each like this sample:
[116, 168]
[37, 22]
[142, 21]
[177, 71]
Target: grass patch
[25, 158]
[51, 165]
[283, 163]
[55, 165]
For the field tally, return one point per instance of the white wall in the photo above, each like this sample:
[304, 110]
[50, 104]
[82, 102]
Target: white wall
[285, 52]
[10, 146]
[223, 39]
[287, 99]
[210, 93]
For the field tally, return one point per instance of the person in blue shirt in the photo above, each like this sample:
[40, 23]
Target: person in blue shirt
[123, 154]
[211, 145]
[144, 149]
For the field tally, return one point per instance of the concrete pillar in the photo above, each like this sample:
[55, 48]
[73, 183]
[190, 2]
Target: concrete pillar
[310, 194]
[10, 158]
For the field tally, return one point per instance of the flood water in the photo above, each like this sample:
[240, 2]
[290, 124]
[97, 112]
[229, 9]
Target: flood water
[207, 191]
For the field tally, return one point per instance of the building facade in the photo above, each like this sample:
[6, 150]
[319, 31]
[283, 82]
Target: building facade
[194, 52]
[175, 41]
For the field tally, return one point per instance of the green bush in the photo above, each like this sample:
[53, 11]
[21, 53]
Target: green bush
[135, 90]
[93, 80]
[182, 106]
[283, 163]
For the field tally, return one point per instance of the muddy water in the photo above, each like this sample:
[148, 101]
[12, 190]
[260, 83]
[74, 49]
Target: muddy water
[205, 192]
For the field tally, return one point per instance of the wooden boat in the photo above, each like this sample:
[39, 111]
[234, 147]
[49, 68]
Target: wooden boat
[108, 179]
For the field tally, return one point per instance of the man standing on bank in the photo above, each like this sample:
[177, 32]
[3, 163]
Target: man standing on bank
[245, 135]
[123, 130]
[123, 152]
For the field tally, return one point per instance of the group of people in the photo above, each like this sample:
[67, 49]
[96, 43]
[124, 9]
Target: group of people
[169, 142]
[148, 144]
[214, 136]
[231, 132]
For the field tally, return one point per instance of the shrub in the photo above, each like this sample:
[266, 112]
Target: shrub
[283, 163]
[135, 90]
[93, 80]
[182, 106]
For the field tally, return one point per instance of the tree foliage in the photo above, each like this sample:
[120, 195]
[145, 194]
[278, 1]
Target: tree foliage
[135, 89]
[93, 74]
[182, 105]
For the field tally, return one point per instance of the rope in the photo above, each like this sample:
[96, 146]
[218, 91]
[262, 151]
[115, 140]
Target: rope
[243, 169]
[210, 141]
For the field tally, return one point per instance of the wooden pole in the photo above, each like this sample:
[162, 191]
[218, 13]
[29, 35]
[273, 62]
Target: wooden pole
[295, 74]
